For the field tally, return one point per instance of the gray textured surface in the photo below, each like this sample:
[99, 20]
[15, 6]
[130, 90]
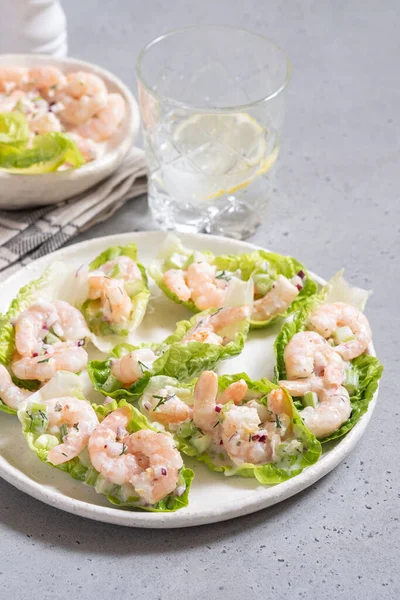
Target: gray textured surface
[336, 205]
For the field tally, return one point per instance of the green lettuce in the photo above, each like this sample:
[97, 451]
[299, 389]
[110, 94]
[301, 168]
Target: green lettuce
[174, 359]
[368, 368]
[292, 458]
[261, 266]
[14, 130]
[33, 417]
[47, 153]
[44, 286]
[106, 335]
[369, 371]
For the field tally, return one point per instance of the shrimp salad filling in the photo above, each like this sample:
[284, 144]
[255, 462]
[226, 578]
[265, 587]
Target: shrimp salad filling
[54, 121]
[197, 344]
[322, 359]
[98, 399]
[233, 424]
[200, 280]
[115, 295]
[111, 447]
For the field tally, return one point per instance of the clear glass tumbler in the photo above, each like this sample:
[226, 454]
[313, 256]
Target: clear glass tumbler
[212, 105]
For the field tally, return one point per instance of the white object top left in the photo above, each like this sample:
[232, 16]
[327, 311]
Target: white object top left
[33, 26]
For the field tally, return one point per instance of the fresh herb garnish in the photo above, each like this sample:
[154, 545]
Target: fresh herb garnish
[63, 430]
[278, 421]
[57, 407]
[46, 360]
[162, 400]
[124, 449]
[142, 366]
[76, 426]
[222, 275]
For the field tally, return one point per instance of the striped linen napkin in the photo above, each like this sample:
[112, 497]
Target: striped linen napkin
[28, 234]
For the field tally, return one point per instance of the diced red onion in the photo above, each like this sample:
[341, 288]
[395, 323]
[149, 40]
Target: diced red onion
[301, 274]
[218, 408]
[263, 438]
[147, 405]
[35, 354]
[221, 442]
[255, 437]
[80, 343]
[299, 287]
[163, 471]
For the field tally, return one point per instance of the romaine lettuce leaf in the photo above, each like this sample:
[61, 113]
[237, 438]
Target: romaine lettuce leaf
[175, 359]
[262, 266]
[291, 462]
[48, 152]
[14, 129]
[369, 371]
[104, 335]
[33, 417]
[368, 367]
[46, 286]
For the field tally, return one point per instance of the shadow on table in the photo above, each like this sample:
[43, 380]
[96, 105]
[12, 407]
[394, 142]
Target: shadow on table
[50, 526]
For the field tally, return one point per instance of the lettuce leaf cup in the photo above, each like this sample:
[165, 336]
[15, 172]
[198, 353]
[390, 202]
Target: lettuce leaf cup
[362, 373]
[196, 345]
[50, 286]
[283, 451]
[116, 273]
[265, 269]
[43, 437]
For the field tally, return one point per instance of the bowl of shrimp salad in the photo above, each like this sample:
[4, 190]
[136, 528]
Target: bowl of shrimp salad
[76, 101]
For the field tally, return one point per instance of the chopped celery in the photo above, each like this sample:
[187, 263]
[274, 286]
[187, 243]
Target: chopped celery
[51, 339]
[201, 442]
[343, 335]
[46, 441]
[185, 430]
[351, 380]
[310, 399]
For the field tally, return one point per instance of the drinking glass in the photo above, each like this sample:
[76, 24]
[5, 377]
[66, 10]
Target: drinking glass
[212, 104]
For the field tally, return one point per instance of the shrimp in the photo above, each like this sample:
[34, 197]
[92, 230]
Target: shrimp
[81, 419]
[33, 325]
[129, 368]
[106, 120]
[205, 407]
[45, 77]
[329, 317]
[207, 329]
[115, 301]
[83, 95]
[11, 394]
[308, 355]
[175, 280]
[45, 123]
[276, 301]
[60, 357]
[161, 476]
[127, 268]
[165, 407]
[12, 77]
[88, 148]
[205, 291]
[147, 460]
[9, 101]
[330, 413]
[241, 436]
[107, 449]
[246, 438]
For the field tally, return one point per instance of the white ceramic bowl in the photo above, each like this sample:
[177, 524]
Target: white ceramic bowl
[22, 191]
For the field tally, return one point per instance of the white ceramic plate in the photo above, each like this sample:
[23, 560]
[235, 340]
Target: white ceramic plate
[213, 497]
[21, 191]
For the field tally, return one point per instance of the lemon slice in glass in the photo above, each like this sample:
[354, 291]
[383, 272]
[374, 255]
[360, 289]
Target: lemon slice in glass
[217, 155]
